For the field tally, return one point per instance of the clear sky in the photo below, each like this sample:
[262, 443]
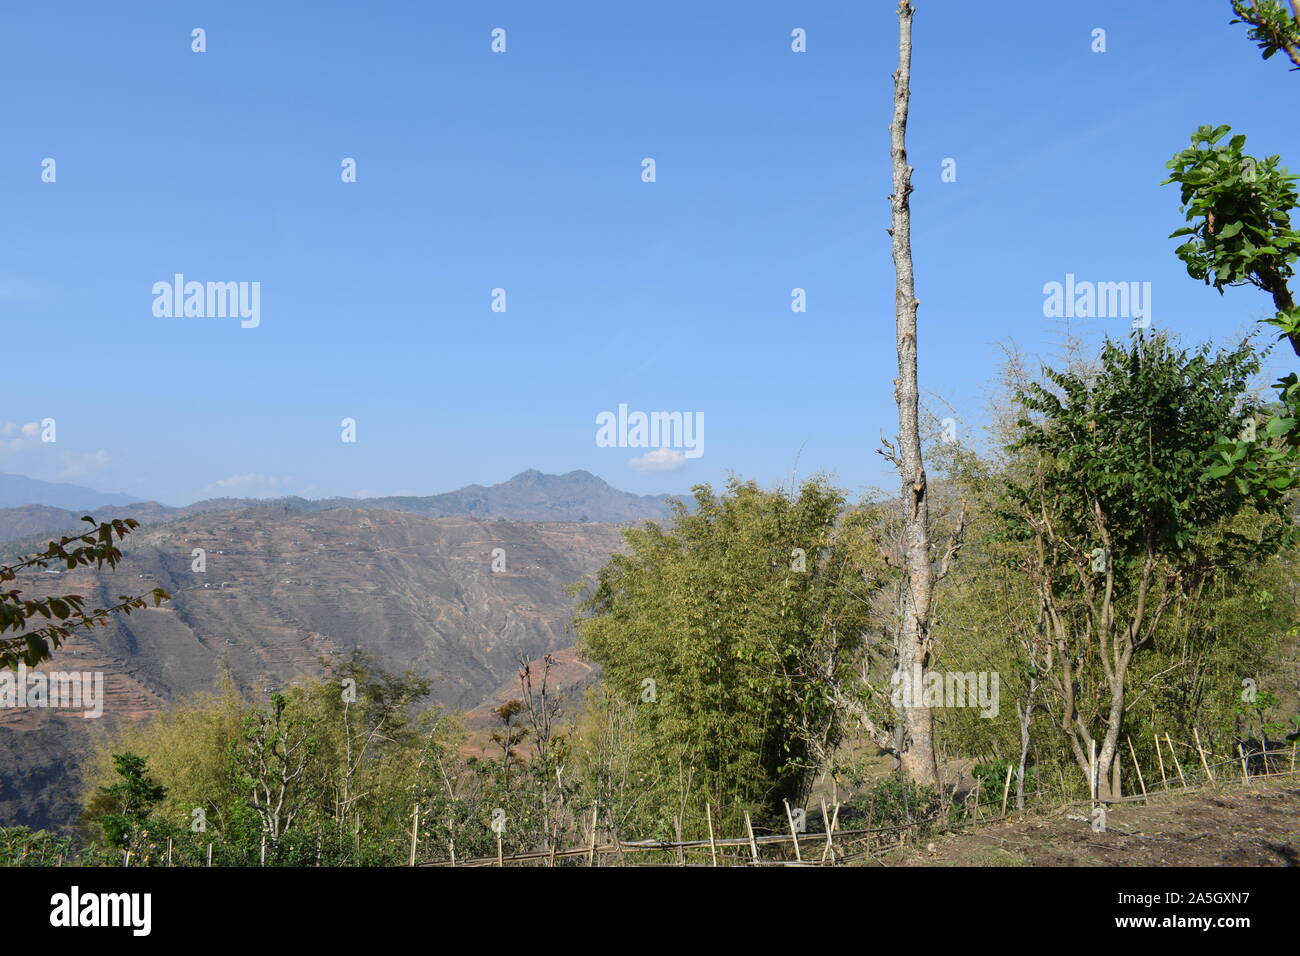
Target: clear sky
[523, 171]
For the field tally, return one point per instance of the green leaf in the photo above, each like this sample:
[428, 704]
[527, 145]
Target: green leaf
[1279, 426]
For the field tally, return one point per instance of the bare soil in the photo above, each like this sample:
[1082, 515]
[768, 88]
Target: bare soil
[1231, 824]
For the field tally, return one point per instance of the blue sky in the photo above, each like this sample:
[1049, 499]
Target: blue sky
[523, 171]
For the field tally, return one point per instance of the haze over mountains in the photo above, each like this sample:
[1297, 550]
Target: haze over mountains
[29, 507]
[409, 580]
[17, 490]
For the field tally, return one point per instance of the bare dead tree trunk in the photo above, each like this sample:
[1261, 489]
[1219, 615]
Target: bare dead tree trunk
[917, 753]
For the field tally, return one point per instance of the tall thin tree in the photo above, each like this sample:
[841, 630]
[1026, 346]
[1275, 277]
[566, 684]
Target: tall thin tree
[916, 722]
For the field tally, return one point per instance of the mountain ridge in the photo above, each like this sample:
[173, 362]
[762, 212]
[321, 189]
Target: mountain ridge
[19, 490]
[531, 495]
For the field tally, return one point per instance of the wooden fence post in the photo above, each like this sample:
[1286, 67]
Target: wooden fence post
[753, 845]
[1133, 753]
[1173, 753]
[1006, 790]
[415, 831]
[1201, 750]
[713, 846]
[1245, 774]
[794, 834]
[591, 849]
[1163, 782]
[826, 823]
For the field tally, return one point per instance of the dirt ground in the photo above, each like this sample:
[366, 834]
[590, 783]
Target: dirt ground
[1240, 824]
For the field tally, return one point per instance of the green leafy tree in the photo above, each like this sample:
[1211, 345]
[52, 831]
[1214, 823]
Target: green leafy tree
[1121, 523]
[1189, 675]
[1239, 212]
[734, 632]
[132, 799]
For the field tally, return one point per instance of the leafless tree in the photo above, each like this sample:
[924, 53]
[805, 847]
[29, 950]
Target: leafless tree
[914, 739]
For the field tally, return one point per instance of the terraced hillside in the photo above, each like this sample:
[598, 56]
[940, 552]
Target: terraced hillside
[283, 587]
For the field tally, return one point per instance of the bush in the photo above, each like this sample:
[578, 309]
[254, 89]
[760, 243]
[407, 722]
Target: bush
[893, 801]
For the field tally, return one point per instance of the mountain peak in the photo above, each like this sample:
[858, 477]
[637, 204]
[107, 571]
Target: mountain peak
[534, 495]
[535, 477]
[586, 477]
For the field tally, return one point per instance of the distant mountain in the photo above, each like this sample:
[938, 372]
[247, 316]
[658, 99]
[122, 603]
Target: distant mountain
[16, 490]
[528, 496]
[408, 579]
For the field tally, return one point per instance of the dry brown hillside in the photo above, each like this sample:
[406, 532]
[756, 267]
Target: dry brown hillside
[281, 589]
